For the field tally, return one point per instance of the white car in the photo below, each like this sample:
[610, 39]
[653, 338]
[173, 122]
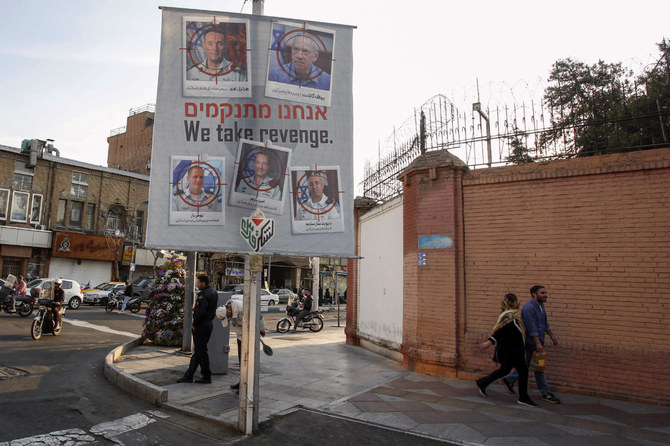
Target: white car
[101, 295]
[267, 298]
[42, 288]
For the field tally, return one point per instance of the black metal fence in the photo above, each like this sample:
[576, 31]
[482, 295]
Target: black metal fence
[523, 132]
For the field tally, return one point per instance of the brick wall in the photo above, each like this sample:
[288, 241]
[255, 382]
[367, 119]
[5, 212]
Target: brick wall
[131, 150]
[431, 191]
[595, 231]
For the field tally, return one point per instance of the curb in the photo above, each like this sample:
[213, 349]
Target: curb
[140, 388]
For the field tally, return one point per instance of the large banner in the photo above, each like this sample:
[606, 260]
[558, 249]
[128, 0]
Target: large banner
[253, 136]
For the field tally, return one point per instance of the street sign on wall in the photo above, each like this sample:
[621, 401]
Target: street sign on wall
[253, 113]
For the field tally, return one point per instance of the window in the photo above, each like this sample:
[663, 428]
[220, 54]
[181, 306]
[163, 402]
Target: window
[79, 187]
[60, 220]
[140, 223]
[22, 182]
[90, 217]
[76, 214]
[113, 220]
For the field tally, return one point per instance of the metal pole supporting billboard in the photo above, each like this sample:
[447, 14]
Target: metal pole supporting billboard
[188, 301]
[247, 419]
[315, 283]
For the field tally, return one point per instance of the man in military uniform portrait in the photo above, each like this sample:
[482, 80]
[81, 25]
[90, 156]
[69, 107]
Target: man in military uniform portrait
[194, 198]
[318, 206]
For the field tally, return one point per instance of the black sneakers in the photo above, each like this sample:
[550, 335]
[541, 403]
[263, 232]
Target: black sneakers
[526, 402]
[204, 380]
[508, 385]
[184, 379]
[235, 386]
[549, 397]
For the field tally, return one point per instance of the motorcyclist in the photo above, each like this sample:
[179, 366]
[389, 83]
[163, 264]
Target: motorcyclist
[306, 308]
[58, 299]
[20, 290]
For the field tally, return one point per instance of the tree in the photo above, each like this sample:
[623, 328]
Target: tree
[602, 108]
[519, 153]
[584, 102]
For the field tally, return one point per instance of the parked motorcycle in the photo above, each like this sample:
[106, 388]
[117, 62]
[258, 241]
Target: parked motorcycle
[44, 322]
[24, 306]
[115, 302]
[313, 321]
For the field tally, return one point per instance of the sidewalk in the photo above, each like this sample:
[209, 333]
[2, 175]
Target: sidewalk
[319, 371]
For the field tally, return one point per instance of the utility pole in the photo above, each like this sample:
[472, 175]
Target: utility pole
[188, 301]
[247, 418]
[477, 106]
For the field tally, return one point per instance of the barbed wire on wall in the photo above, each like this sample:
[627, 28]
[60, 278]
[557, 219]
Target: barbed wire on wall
[525, 123]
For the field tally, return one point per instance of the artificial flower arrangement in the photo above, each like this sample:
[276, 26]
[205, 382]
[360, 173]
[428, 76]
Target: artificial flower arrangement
[164, 321]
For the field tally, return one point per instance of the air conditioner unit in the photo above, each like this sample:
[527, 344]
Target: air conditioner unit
[41, 227]
[148, 166]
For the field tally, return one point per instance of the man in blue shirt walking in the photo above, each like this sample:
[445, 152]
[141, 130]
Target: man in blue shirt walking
[534, 318]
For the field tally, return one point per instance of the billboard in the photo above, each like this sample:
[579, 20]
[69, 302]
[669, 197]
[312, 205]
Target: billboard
[253, 136]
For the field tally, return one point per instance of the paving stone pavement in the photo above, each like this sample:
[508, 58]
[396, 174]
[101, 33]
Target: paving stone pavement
[319, 371]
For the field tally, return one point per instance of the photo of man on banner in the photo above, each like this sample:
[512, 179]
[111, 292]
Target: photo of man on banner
[316, 202]
[197, 190]
[215, 58]
[300, 63]
[260, 176]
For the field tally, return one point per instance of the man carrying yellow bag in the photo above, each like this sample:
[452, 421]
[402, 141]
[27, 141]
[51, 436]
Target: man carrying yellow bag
[535, 320]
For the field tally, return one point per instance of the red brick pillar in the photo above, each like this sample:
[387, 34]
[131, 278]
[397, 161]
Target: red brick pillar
[361, 206]
[433, 293]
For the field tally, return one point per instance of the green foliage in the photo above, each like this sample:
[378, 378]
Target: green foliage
[164, 321]
[519, 153]
[602, 107]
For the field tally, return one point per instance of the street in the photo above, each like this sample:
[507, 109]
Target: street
[53, 390]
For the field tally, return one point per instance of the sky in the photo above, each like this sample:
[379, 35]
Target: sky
[72, 69]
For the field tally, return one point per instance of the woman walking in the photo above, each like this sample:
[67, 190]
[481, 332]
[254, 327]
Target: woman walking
[508, 337]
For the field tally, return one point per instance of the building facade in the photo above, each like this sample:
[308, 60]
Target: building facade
[130, 146]
[65, 218]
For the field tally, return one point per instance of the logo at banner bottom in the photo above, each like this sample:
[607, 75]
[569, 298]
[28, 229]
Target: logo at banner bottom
[257, 230]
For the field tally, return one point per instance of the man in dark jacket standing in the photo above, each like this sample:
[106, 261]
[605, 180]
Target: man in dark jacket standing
[203, 314]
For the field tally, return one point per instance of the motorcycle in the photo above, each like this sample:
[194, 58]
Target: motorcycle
[23, 304]
[44, 321]
[115, 302]
[313, 321]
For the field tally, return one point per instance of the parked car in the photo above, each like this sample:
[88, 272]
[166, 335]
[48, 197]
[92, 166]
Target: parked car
[99, 287]
[73, 291]
[267, 298]
[284, 295]
[142, 287]
[101, 295]
[235, 288]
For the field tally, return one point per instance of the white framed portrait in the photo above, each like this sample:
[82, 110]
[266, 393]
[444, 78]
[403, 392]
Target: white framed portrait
[20, 206]
[36, 209]
[300, 63]
[4, 203]
[215, 57]
[260, 176]
[196, 186]
[315, 200]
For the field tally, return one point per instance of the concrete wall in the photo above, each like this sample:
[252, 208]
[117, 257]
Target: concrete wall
[380, 305]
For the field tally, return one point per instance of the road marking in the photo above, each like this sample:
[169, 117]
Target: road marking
[99, 327]
[64, 437]
[121, 426]
[79, 437]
